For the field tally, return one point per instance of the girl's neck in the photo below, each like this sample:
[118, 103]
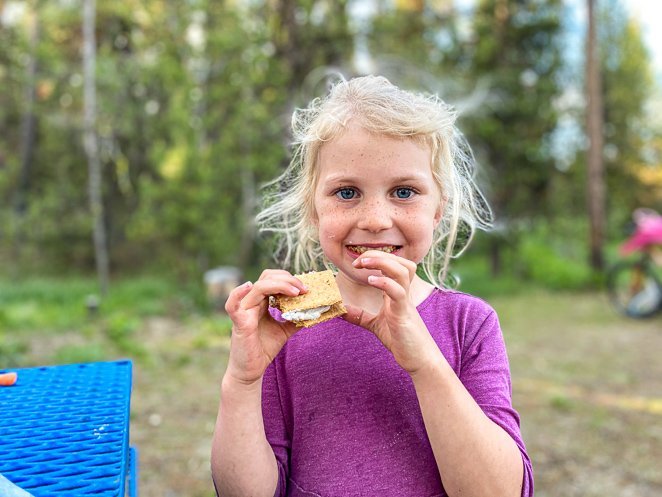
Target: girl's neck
[371, 298]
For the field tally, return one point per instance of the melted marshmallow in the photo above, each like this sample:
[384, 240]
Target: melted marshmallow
[306, 314]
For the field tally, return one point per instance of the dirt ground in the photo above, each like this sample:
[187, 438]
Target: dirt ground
[587, 383]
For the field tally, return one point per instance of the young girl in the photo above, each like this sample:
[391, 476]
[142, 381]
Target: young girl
[409, 393]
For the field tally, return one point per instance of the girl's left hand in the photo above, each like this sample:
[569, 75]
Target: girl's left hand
[398, 325]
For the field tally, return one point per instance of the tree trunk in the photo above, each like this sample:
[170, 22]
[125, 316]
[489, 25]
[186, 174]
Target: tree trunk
[596, 189]
[248, 197]
[495, 256]
[28, 124]
[90, 142]
[28, 135]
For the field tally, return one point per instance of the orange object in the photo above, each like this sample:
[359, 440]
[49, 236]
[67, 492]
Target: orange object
[8, 379]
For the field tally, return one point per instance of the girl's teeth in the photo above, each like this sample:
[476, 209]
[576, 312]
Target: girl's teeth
[359, 249]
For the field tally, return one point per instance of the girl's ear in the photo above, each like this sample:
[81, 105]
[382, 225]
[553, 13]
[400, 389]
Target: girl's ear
[312, 216]
[437, 216]
[439, 213]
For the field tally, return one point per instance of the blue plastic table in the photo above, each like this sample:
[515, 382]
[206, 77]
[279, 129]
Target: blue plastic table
[64, 430]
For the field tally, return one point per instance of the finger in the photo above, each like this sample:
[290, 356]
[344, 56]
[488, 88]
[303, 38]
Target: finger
[235, 297]
[283, 275]
[270, 273]
[262, 289]
[409, 264]
[359, 317]
[374, 253]
[378, 254]
[389, 286]
[396, 268]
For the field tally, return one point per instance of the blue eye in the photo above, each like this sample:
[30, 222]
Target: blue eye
[346, 193]
[404, 193]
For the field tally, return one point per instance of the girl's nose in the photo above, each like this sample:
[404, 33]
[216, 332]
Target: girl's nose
[375, 216]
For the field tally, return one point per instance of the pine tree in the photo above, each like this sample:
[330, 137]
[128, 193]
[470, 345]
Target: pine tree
[517, 51]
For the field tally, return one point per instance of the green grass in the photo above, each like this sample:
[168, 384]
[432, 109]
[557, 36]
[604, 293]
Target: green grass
[57, 309]
[56, 304]
[47, 304]
[473, 276]
[536, 266]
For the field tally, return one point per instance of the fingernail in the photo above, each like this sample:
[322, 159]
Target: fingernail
[248, 284]
[372, 279]
[366, 260]
[295, 290]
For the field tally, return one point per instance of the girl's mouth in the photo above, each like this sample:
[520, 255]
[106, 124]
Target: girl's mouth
[360, 249]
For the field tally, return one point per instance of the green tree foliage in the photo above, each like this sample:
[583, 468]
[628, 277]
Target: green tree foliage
[631, 149]
[192, 101]
[418, 45]
[627, 87]
[517, 51]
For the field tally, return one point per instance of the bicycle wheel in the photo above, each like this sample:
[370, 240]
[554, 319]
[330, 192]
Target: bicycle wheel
[634, 290]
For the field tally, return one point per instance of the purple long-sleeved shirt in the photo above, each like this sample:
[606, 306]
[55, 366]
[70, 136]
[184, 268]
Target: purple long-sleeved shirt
[343, 418]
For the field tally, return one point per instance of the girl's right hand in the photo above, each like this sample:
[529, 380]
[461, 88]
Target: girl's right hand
[256, 336]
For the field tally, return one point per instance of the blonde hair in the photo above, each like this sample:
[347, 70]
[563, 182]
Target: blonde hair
[383, 108]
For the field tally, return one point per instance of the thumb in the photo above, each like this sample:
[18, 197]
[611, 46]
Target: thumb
[236, 296]
[358, 316]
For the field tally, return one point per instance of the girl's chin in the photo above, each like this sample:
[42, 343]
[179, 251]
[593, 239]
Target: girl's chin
[360, 276]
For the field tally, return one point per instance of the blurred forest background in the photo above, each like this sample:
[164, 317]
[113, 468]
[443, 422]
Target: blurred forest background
[134, 139]
[192, 111]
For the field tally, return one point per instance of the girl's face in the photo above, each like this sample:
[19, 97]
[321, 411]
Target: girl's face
[374, 192]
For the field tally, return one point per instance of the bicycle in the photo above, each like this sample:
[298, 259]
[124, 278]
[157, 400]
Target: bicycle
[635, 285]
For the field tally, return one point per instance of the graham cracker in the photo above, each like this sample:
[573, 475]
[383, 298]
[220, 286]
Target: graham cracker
[337, 309]
[322, 291]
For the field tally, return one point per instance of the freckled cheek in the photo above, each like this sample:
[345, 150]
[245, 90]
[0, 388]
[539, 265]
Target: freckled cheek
[333, 228]
[330, 239]
[329, 229]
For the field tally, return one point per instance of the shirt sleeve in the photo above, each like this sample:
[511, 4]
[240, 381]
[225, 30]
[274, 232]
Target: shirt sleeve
[485, 373]
[275, 427]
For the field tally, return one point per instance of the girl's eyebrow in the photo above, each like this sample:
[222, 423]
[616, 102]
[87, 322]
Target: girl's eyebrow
[411, 178]
[342, 178]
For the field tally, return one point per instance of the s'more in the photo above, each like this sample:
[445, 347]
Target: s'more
[320, 303]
